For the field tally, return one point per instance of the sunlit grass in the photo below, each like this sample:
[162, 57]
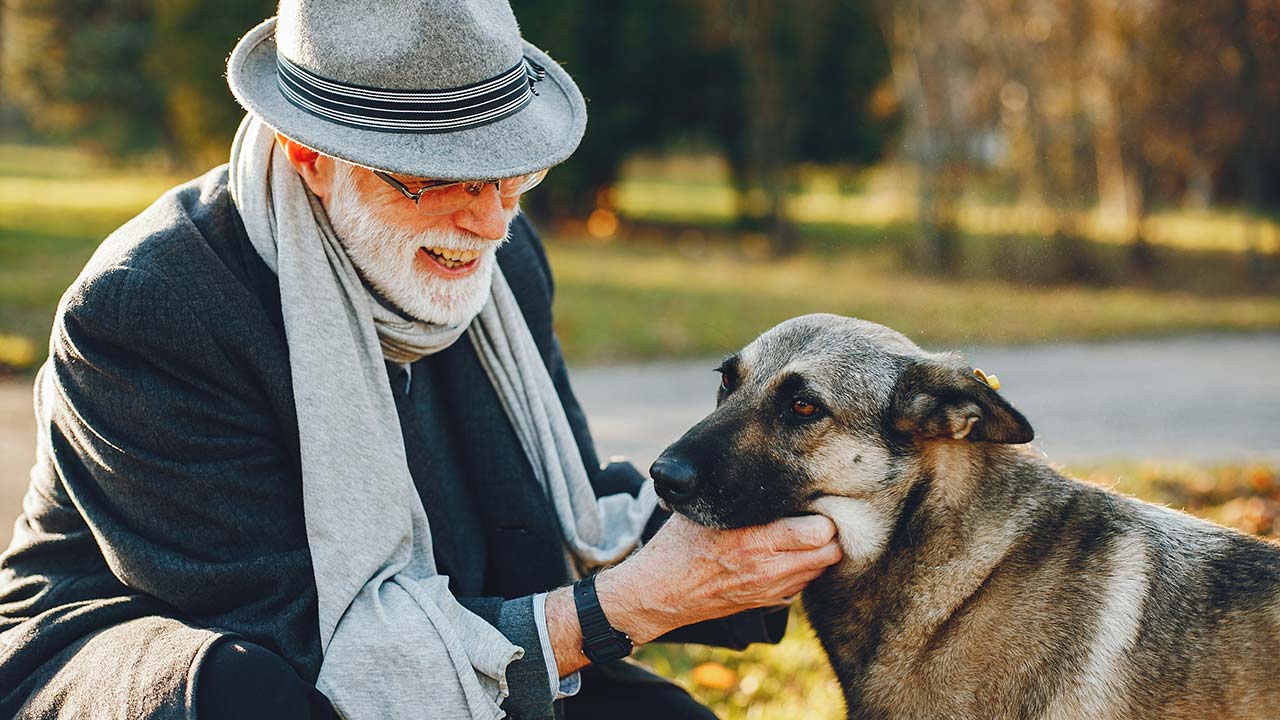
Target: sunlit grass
[617, 302]
[16, 352]
[622, 302]
[25, 196]
[787, 681]
[699, 191]
[792, 681]
[46, 161]
[56, 205]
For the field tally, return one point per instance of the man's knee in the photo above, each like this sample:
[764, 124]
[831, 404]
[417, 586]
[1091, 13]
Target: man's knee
[239, 679]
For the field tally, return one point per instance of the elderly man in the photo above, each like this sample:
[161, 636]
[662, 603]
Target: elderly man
[306, 442]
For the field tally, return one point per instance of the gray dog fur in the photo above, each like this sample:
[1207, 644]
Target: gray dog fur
[977, 581]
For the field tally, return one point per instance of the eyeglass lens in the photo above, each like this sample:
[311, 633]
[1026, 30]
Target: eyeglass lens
[452, 198]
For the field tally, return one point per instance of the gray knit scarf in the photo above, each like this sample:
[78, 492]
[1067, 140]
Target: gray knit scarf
[396, 644]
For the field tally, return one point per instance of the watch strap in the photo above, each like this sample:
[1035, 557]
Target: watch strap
[601, 642]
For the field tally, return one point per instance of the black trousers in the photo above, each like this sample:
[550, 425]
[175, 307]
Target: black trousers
[629, 692]
[244, 681]
[239, 679]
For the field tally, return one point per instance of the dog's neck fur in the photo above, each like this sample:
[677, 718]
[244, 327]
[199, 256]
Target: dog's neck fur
[894, 607]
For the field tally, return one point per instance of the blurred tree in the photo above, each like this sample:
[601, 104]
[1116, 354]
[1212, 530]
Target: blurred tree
[1193, 90]
[187, 59]
[1068, 105]
[931, 76]
[76, 71]
[130, 75]
[4, 105]
[7, 116]
[637, 65]
[770, 84]
[807, 74]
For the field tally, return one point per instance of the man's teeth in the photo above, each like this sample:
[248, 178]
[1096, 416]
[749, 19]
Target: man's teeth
[451, 258]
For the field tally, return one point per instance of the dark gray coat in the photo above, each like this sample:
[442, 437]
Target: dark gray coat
[166, 497]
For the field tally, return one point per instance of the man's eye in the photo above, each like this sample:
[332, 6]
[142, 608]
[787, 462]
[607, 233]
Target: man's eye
[803, 409]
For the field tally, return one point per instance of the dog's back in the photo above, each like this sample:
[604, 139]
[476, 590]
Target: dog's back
[1054, 599]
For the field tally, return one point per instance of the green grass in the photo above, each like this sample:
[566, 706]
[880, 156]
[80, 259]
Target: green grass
[625, 301]
[56, 205]
[787, 681]
[616, 302]
[792, 681]
[697, 190]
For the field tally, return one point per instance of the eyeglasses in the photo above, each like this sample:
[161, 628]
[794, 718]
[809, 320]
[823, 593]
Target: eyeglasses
[449, 196]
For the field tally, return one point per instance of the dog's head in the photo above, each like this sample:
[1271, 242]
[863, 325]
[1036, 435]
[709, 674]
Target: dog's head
[820, 414]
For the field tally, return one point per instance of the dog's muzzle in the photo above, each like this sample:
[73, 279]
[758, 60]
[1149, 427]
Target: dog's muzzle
[675, 480]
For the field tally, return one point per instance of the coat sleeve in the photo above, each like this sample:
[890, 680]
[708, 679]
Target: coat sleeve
[165, 443]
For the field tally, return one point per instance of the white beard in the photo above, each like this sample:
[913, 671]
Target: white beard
[385, 255]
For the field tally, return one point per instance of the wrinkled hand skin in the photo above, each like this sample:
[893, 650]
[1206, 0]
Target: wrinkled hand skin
[689, 573]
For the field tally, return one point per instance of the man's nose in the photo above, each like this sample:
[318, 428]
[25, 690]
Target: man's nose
[674, 478]
[485, 216]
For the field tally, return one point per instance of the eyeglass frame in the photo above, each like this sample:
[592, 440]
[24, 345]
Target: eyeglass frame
[416, 195]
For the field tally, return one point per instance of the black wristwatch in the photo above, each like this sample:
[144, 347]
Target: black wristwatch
[601, 642]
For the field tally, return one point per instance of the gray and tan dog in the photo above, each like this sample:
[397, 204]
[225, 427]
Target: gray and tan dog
[977, 582]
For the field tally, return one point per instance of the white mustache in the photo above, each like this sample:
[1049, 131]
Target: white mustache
[385, 254]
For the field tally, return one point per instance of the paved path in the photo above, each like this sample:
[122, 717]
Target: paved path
[1198, 398]
[1201, 398]
[17, 450]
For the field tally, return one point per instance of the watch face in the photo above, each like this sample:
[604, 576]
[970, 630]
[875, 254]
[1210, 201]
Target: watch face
[608, 649]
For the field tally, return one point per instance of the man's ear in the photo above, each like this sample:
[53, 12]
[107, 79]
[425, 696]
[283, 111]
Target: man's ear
[933, 400]
[296, 151]
[316, 170]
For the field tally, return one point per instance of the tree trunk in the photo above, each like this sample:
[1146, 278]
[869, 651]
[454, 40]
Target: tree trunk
[1261, 271]
[767, 142]
[919, 74]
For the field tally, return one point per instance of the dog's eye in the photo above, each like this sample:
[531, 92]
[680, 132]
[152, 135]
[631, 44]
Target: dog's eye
[726, 382]
[803, 409]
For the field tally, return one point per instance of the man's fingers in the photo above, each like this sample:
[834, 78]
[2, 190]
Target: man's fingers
[798, 584]
[829, 554]
[798, 533]
[815, 559]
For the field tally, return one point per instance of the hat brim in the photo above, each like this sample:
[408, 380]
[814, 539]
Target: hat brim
[545, 132]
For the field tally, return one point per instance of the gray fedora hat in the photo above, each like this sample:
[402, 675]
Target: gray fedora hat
[443, 89]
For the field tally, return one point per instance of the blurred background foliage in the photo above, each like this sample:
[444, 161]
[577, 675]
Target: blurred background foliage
[966, 171]
[1004, 149]
[1111, 164]
[1118, 106]
[1089, 114]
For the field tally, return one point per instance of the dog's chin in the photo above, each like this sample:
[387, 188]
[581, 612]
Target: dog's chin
[697, 510]
[711, 515]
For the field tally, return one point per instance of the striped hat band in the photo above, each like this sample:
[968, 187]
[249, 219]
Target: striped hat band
[410, 111]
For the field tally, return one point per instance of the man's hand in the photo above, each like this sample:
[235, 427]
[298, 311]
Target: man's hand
[688, 573]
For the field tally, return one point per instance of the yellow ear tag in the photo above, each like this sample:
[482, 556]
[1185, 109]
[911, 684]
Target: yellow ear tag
[991, 380]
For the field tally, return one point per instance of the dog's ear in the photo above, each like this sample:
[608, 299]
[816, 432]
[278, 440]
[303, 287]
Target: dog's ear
[933, 400]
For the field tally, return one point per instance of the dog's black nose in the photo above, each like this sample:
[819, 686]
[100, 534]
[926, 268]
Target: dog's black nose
[674, 479]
